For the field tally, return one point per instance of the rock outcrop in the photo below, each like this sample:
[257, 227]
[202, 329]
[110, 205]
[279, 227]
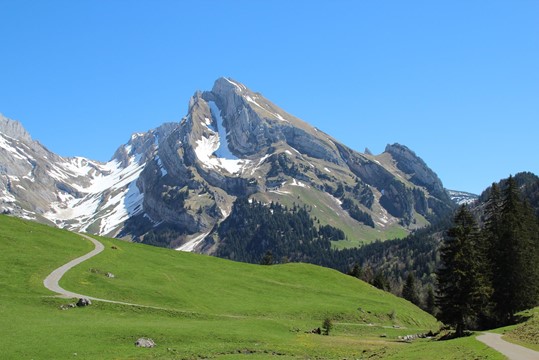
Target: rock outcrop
[14, 129]
[173, 185]
[82, 302]
[145, 343]
[420, 174]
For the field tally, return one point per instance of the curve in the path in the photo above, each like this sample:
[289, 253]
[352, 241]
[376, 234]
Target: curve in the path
[512, 351]
[51, 281]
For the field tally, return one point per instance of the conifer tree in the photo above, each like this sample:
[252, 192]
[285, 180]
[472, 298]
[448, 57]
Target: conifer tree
[491, 233]
[380, 281]
[460, 293]
[515, 256]
[493, 213]
[267, 259]
[430, 301]
[356, 271]
[409, 291]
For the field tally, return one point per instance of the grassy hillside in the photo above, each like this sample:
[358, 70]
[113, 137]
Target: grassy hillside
[204, 284]
[328, 211]
[206, 307]
[525, 333]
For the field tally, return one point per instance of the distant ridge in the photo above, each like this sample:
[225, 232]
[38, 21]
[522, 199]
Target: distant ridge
[462, 197]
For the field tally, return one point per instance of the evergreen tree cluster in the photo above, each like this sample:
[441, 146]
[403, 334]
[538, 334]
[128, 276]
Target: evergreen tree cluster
[356, 213]
[281, 164]
[488, 274]
[417, 254]
[264, 234]
[527, 183]
[253, 230]
[406, 267]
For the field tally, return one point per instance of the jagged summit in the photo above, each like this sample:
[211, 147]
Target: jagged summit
[173, 185]
[14, 129]
[225, 84]
[410, 163]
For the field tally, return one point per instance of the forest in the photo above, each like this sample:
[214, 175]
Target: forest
[413, 267]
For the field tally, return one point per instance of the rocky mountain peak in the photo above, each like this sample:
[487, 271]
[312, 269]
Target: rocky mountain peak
[173, 185]
[411, 164]
[142, 145]
[224, 85]
[13, 129]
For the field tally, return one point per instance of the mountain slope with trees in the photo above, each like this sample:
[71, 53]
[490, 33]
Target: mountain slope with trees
[487, 275]
[173, 185]
[406, 267]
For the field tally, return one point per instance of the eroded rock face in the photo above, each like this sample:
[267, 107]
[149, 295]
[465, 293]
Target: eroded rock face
[172, 185]
[14, 129]
[421, 174]
[32, 177]
[255, 124]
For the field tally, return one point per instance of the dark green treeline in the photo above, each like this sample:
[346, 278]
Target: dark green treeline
[489, 273]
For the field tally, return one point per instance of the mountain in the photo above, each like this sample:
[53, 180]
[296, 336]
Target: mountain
[173, 185]
[462, 197]
[527, 182]
[418, 253]
[74, 193]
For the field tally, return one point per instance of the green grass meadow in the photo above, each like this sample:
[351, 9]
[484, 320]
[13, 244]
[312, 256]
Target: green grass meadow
[198, 306]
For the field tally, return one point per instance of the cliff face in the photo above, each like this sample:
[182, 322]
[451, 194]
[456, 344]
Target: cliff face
[172, 185]
[420, 174]
[32, 177]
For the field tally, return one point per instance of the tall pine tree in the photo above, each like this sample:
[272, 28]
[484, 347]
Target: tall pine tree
[461, 288]
[409, 291]
[430, 301]
[515, 256]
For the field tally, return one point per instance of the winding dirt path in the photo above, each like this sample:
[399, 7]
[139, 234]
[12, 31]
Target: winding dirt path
[495, 341]
[512, 351]
[51, 281]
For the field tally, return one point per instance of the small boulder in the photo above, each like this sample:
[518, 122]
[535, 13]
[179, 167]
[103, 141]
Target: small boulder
[84, 302]
[67, 306]
[145, 343]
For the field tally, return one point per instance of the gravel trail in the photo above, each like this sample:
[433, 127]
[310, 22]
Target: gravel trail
[51, 281]
[512, 351]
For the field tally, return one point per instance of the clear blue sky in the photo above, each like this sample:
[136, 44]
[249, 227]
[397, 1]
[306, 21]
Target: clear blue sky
[455, 81]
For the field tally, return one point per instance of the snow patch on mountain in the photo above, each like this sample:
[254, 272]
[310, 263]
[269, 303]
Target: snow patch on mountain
[192, 244]
[297, 183]
[161, 166]
[260, 162]
[7, 197]
[6, 143]
[235, 84]
[125, 204]
[338, 201]
[266, 109]
[213, 151]
[462, 197]
[111, 197]
[223, 151]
